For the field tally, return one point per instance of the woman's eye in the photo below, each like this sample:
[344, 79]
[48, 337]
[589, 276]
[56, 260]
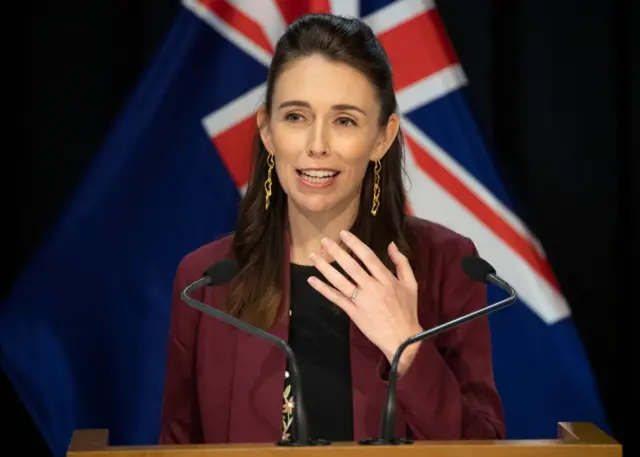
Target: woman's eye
[346, 121]
[293, 117]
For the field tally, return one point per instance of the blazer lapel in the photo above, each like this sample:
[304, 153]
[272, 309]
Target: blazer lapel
[258, 381]
[258, 377]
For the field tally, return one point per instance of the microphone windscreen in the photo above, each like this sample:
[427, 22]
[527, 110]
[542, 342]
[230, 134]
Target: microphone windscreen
[477, 268]
[221, 272]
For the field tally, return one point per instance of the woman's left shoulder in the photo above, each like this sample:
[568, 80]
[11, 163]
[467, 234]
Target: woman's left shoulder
[435, 240]
[445, 291]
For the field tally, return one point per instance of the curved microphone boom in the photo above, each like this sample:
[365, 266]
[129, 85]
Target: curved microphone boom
[219, 274]
[477, 269]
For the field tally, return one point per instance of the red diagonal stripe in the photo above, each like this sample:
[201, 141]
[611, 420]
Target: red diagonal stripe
[418, 48]
[239, 21]
[458, 190]
[293, 9]
[235, 146]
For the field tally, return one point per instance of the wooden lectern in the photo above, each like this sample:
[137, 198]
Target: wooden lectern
[574, 440]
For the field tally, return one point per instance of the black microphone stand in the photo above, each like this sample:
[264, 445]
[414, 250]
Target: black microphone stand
[389, 411]
[300, 429]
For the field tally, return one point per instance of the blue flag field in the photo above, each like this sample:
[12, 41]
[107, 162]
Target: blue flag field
[83, 332]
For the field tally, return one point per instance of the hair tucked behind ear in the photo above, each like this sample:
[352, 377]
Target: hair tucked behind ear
[258, 246]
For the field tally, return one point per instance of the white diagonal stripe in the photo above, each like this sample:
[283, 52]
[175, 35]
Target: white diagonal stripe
[448, 162]
[228, 32]
[394, 14]
[265, 13]
[348, 8]
[234, 112]
[431, 88]
[431, 201]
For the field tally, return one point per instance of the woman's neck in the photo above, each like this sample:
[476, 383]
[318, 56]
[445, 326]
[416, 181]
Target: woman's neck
[308, 228]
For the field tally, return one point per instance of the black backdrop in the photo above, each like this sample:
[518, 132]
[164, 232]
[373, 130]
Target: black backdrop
[552, 86]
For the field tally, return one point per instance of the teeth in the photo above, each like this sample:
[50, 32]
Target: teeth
[319, 174]
[317, 180]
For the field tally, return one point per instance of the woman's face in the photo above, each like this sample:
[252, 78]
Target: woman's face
[324, 130]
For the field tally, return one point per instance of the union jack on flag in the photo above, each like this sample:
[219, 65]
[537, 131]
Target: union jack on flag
[427, 78]
[168, 180]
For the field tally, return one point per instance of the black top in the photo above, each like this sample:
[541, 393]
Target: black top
[319, 337]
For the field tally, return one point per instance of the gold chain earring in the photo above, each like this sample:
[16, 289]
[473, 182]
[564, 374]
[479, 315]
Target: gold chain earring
[271, 162]
[376, 187]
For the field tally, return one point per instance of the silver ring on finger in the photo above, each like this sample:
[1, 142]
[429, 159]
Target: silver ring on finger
[354, 295]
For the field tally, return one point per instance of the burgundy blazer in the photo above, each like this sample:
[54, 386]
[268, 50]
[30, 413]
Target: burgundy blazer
[225, 386]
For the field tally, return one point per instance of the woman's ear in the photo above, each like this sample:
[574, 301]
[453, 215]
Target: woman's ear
[386, 137]
[263, 127]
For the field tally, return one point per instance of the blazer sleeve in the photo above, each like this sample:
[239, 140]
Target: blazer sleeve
[448, 391]
[180, 419]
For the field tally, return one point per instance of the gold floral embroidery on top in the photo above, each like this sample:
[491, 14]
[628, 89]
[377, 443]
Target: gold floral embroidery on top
[287, 410]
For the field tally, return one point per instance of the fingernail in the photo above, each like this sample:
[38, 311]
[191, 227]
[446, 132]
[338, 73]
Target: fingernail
[344, 234]
[393, 244]
[325, 241]
[313, 256]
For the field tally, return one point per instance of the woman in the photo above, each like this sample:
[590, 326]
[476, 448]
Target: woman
[329, 261]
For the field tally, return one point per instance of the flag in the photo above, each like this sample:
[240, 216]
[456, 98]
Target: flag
[83, 332]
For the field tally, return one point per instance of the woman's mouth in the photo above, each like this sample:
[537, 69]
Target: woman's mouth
[317, 177]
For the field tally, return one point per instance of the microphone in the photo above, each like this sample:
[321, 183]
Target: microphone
[221, 273]
[477, 269]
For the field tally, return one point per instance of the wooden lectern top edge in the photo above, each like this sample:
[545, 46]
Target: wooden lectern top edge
[576, 439]
[584, 432]
[89, 440]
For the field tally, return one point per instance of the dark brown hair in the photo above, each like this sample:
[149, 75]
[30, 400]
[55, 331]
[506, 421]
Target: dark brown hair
[258, 244]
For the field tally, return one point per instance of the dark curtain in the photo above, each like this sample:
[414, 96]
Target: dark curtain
[552, 86]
